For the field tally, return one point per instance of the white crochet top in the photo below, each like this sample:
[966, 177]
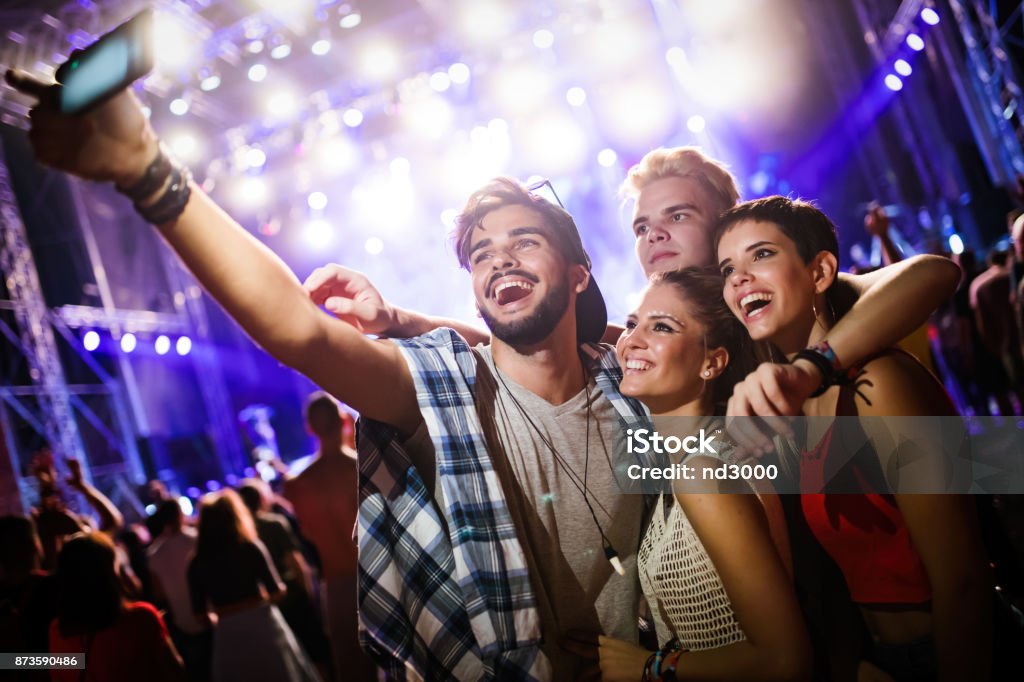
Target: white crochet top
[685, 593]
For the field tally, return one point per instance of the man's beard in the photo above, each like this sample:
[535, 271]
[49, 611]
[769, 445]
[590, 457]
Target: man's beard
[540, 323]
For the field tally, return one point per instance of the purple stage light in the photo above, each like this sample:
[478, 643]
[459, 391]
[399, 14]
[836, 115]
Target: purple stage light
[915, 42]
[193, 492]
[91, 340]
[930, 16]
[213, 486]
[902, 67]
[129, 342]
[893, 82]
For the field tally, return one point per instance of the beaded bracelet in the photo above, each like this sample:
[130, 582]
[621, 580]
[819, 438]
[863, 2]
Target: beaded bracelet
[646, 677]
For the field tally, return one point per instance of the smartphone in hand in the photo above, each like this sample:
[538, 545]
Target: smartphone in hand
[109, 65]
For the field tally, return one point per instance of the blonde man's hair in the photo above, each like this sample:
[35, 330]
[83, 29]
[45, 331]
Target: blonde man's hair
[684, 162]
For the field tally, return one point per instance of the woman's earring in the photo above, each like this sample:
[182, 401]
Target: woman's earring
[707, 373]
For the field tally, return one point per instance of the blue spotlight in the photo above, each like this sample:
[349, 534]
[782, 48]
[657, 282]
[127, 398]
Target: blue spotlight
[902, 67]
[162, 345]
[91, 340]
[930, 16]
[128, 342]
[183, 345]
[893, 82]
[915, 42]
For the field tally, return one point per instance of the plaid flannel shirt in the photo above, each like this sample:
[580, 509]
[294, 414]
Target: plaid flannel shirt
[440, 606]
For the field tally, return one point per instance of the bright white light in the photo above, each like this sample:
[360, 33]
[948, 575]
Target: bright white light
[956, 244]
[317, 201]
[179, 106]
[440, 81]
[893, 82]
[336, 155]
[902, 67]
[379, 60]
[431, 117]
[555, 142]
[318, 233]
[400, 167]
[255, 47]
[183, 345]
[255, 157]
[607, 157]
[281, 51]
[320, 47]
[257, 72]
[676, 57]
[91, 341]
[543, 39]
[150, 509]
[373, 246]
[128, 342]
[521, 88]
[485, 21]
[353, 118]
[251, 192]
[695, 124]
[146, 111]
[186, 505]
[448, 217]
[209, 83]
[630, 126]
[174, 45]
[498, 126]
[930, 16]
[162, 345]
[576, 96]
[184, 146]
[282, 105]
[915, 42]
[351, 20]
[459, 73]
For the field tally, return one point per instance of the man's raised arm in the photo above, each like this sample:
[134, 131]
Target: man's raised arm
[115, 143]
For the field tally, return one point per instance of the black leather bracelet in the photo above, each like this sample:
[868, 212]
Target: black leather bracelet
[151, 180]
[172, 202]
[823, 365]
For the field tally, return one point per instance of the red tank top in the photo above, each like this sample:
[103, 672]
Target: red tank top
[864, 534]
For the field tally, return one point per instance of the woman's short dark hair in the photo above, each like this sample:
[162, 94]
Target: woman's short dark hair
[89, 597]
[810, 229]
[701, 289]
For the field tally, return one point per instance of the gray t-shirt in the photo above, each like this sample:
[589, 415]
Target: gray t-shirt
[575, 585]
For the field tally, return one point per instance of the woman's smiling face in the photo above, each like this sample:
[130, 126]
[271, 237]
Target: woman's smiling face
[662, 351]
[767, 284]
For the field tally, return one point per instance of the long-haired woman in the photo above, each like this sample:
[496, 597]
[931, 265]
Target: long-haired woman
[713, 562]
[232, 576]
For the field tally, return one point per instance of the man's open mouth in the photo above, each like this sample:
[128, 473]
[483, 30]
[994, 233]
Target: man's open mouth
[511, 290]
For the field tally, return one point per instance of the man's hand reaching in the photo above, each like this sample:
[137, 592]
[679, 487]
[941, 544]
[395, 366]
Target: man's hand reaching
[351, 297]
